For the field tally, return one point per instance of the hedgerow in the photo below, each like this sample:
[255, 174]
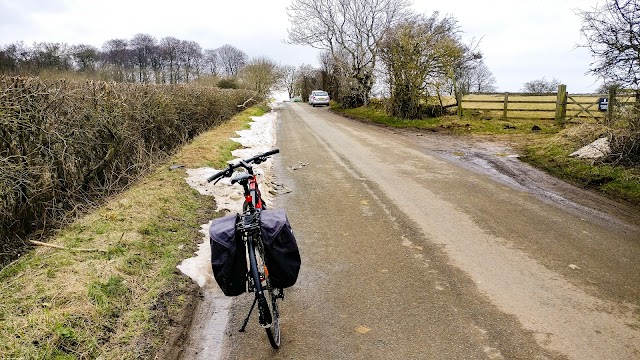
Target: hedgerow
[66, 144]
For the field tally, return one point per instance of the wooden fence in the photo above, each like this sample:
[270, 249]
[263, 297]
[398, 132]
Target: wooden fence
[561, 106]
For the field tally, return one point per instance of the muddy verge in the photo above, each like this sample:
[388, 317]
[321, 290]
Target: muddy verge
[501, 161]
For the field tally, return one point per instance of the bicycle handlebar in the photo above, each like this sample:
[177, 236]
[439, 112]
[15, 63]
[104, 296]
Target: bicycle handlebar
[242, 163]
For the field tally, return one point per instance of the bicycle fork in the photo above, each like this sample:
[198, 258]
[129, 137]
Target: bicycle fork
[263, 308]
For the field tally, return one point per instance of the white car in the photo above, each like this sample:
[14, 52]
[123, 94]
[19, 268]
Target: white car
[319, 97]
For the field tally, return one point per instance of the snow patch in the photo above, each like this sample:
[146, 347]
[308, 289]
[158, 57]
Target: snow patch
[210, 321]
[596, 150]
[261, 137]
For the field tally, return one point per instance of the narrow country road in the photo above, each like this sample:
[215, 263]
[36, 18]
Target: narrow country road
[412, 253]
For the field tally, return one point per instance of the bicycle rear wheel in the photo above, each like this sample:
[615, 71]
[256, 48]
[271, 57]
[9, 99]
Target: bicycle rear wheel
[266, 296]
[273, 332]
[272, 296]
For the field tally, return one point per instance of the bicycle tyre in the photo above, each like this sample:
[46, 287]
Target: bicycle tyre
[273, 332]
[267, 305]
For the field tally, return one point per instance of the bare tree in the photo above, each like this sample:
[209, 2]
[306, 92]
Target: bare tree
[8, 64]
[612, 33]
[170, 50]
[158, 63]
[51, 55]
[143, 46]
[260, 75]
[477, 78]
[85, 57]
[190, 55]
[541, 86]
[231, 59]
[210, 61]
[116, 55]
[331, 73]
[351, 27]
[288, 79]
[15, 58]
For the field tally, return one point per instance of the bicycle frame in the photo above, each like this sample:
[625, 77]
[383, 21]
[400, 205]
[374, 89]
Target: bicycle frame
[249, 227]
[252, 196]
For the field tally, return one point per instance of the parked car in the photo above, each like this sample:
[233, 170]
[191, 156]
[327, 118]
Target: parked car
[319, 97]
[297, 99]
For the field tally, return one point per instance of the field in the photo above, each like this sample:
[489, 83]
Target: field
[527, 106]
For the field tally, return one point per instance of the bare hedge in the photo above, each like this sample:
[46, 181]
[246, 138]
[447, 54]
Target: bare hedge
[64, 143]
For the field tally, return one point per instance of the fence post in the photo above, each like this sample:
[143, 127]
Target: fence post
[611, 103]
[561, 104]
[459, 101]
[506, 105]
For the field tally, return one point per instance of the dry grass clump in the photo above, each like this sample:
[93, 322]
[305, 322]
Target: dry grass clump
[584, 133]
[65, 144]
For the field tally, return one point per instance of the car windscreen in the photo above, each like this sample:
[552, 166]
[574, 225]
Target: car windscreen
[320, 93]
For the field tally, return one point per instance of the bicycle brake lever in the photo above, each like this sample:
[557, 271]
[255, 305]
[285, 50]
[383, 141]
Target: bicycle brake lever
[227, 173]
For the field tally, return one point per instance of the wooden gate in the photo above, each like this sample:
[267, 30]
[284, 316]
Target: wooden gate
[584, 107]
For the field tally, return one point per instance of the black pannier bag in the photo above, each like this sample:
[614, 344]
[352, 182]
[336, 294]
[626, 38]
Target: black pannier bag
[280, 247]
[228, 256]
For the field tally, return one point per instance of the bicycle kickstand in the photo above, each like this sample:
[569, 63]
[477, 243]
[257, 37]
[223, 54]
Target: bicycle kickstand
[246, 320]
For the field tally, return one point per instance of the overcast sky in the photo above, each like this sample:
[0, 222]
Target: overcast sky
[522, 40]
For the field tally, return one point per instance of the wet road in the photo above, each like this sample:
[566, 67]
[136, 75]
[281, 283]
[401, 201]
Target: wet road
[408, 253]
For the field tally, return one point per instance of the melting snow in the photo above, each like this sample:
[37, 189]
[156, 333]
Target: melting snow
[260, 138]
[596, 150]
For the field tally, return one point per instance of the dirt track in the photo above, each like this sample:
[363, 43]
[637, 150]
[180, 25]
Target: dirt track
[424, 246]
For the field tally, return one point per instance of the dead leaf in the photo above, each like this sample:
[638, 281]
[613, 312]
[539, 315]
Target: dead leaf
[574, 267]
[362, 329]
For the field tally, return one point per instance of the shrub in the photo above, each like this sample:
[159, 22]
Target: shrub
[65, 144]
[227, 83]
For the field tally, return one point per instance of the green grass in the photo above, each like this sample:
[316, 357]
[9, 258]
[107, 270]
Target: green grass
[450, 124]
[115, 303]
[552, 155]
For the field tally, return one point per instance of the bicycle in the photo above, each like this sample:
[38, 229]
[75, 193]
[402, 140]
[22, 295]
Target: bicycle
[249, 228]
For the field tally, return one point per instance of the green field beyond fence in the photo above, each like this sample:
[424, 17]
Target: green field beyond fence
[561, 106]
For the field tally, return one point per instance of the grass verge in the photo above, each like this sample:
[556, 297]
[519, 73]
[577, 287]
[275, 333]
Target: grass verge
[547, 148]
[119, 302]
[552, 155]
[450, 124]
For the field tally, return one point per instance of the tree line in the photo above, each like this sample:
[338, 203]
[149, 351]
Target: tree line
[143, 59]
[412, 59]
[415, 59]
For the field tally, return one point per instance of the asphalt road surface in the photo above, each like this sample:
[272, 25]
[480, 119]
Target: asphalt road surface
[418, 246]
